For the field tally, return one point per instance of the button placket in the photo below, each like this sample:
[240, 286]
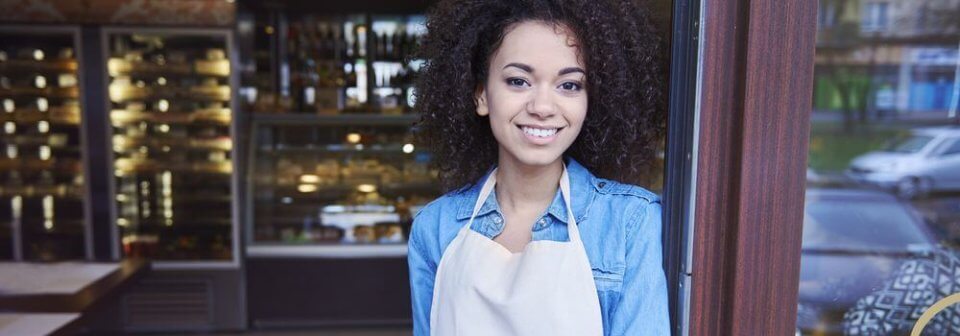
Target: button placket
[497, 223]
[493, 225]
[542, 223]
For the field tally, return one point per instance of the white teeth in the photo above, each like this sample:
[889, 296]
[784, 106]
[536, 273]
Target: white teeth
[537, 132]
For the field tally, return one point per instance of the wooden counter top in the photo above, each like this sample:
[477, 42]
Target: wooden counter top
[62, 287]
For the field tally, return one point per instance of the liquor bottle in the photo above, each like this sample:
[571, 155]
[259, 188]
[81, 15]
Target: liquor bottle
[293, 57]
[317, 36]
[332, 41]
[46, 183]
[13, 183]
[387, 48]
[360, 36]
[396, 41]
[343, 48]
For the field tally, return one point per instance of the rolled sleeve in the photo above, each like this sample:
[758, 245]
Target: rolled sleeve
[643, 307]
[423, 269]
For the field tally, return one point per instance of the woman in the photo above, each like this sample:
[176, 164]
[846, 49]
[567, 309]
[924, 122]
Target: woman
[520, 102]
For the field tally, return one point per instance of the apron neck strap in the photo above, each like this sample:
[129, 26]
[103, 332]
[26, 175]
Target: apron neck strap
[491, 181]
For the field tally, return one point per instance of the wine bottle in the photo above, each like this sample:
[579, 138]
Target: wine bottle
[332, 41]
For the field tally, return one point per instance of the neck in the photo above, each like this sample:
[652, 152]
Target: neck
[522, 186]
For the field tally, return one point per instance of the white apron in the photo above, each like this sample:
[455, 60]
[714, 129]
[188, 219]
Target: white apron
[483, 289]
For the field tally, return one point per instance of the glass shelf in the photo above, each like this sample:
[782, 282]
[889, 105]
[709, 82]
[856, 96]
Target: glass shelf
[326, 185]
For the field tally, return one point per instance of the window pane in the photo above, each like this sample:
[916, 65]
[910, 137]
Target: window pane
[882, 213]
[867, 225]
[953, 148]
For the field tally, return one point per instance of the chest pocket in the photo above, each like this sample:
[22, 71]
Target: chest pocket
[608, 278]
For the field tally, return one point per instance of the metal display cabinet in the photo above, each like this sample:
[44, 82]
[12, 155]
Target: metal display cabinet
[332, 198]
[171, 116]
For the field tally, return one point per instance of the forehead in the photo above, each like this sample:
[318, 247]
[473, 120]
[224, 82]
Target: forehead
[538, 44]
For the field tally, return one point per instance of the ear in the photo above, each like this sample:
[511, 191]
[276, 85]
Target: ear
[481, 98]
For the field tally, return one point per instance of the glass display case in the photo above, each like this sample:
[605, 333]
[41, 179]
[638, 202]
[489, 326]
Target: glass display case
[171, 112]
[336, 181]
[42, 192]
[333, 170]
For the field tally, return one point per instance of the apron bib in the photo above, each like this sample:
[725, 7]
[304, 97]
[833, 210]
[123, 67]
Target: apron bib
[483, 289]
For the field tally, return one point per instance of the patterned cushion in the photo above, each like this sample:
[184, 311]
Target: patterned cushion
[915, 286]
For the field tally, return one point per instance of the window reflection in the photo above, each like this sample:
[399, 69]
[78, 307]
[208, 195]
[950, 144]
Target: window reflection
[861, 222]
[882, 216]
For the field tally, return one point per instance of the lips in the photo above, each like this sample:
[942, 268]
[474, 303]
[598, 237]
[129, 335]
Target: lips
[539, 135]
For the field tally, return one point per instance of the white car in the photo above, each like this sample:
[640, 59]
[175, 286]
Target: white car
[926, 161]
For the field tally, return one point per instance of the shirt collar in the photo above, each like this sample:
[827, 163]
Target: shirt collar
[581, 185]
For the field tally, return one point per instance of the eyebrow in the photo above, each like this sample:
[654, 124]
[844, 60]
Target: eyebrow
[529, 69]
[569, 70]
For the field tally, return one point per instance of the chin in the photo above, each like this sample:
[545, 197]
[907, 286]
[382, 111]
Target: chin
[537, 159]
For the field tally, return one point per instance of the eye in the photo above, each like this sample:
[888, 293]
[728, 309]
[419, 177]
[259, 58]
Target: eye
[514, 81]
[571, 86]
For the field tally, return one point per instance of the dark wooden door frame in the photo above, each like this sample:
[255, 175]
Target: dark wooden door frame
[755, 96]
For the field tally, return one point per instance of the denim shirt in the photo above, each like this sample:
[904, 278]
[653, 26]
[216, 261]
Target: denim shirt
[620, 227]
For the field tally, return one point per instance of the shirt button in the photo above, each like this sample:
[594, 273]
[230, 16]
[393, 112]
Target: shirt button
[601, 184]
[542, 223]
[497, 219]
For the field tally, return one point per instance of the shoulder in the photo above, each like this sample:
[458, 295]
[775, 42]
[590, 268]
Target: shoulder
[443, 209]
[624, 192]
[429, 214]
[447, 203]
[632, 207]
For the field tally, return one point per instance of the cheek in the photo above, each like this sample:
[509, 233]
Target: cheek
[577, 112]
[504, 105]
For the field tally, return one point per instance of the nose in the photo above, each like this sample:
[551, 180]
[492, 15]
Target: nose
[542, 104]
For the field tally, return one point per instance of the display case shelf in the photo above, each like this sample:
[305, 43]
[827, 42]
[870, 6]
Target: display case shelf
[375, 151]
[171, 109]
[358, 119]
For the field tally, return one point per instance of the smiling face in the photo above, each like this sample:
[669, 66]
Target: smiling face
[535, 94]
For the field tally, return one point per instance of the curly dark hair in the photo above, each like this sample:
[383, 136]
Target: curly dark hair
[618, 45]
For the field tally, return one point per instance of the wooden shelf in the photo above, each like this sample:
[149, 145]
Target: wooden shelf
[129, 144]
[215, 117]
[47, 92]
[129, 166]
[29, 66]
[56, 116]
[199, 68]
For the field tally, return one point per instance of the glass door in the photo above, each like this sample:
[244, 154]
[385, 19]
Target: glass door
[42, 207]
[881, 226]
[171, 112]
